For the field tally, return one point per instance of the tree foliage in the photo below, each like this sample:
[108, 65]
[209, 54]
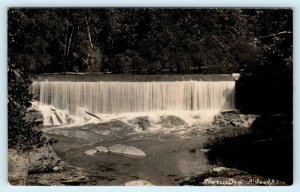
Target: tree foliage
[148, 41]
[22, 133]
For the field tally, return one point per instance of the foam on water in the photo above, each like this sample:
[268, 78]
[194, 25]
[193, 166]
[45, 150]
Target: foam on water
[190, 118]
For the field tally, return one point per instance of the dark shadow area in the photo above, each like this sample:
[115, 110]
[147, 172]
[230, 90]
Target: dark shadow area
[268, 90]
[266, 151]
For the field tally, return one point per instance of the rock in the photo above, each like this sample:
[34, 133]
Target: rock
[205, 150]
[103, 132]
[219, 170]
[118, 123]
[43, 159]
[56, 168]
[34, 115]
[69, 176]
[226, 172]
[234, 119]
[126, 150]
[240, 123]
[102, 149]
[171, 121]
[210, 131]
[242, 117]
[143, 122]
[90, 152]
[251, 118]
[138, 129]
[69, 119]
[138, 183]
[18, 166]
[109, 125]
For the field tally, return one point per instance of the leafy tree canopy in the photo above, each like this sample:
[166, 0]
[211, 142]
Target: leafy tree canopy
[149, 41]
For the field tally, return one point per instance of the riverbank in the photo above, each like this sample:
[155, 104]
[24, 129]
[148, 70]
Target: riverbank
[266, 151]
[42, 167]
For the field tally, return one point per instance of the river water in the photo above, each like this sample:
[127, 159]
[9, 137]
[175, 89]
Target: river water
[169, 152]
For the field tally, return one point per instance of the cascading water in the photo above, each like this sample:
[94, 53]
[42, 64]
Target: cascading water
[126, 97]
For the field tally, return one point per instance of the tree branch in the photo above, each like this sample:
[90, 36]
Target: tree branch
[70, 40]
[275, 34]
[88, 30]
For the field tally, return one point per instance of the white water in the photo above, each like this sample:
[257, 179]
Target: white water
[130, 97]
[190, 118]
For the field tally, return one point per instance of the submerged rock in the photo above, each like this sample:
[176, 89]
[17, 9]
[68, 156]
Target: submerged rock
[102, 149]
[171, 121]
[138, 183]
[90, 152]
[102, 132]
[126, 150]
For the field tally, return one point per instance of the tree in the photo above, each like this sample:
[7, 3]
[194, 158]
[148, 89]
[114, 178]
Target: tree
[268, 78]
[22, 134]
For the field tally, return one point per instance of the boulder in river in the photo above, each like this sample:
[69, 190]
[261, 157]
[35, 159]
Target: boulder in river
[143, 122]
[171, 121]
[90, 152]
[138, 183]
[102, 149]
[126, 150]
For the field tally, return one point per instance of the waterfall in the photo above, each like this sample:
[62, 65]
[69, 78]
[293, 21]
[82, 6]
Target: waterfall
[123, 97]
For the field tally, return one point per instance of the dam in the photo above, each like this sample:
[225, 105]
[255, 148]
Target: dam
[115, 94]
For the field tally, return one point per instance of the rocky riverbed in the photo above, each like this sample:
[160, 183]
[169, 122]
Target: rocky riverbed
[117, 153]
[170, 155]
